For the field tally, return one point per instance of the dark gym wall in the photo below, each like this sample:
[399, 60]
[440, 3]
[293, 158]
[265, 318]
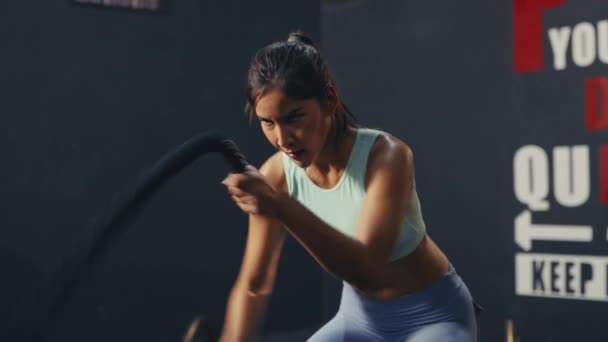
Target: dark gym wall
[442, 76]
[90, 98]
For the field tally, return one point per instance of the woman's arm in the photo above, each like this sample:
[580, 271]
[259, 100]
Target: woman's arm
[249, 296]
[362, 259]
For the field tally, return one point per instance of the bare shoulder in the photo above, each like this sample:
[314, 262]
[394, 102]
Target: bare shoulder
[273, 171]
[390, 151]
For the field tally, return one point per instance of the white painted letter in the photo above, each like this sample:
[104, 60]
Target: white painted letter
[583, 44]
[559, 38]
[531, 177]
[571, 175]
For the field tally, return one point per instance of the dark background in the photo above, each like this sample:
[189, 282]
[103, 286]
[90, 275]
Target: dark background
[93, 96]
[440, 75]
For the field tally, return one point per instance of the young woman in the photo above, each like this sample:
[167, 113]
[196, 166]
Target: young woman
[348, 195]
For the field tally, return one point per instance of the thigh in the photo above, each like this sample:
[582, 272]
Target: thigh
[340, 329]
[331, 331]
[444, 332]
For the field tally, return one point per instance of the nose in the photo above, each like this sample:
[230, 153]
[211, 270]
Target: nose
[284, 137]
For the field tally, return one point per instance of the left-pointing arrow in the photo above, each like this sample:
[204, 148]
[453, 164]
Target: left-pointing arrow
[526, 231]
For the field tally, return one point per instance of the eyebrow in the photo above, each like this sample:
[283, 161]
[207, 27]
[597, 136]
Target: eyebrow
[281, 116]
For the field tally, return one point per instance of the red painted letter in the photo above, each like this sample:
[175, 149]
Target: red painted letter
[528, 33]
[596, 103]
[604, 173]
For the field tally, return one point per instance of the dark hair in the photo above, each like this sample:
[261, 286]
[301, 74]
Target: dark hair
[298, 68]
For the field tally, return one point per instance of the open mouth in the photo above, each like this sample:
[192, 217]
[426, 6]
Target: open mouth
[295, 154]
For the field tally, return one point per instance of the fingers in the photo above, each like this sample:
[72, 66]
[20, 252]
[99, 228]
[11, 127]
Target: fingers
[242, 189]
[236, 180]
[236, 192]
[250, 174]
[246, 204]
[249, 208]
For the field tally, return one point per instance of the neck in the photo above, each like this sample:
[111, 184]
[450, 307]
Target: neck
[332, 160]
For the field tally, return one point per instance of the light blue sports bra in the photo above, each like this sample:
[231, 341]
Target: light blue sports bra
[340, 205]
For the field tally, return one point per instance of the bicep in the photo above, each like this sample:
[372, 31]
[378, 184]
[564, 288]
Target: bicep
[387, 195]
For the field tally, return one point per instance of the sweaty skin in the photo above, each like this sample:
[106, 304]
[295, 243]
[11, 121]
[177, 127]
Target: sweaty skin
[302, 129]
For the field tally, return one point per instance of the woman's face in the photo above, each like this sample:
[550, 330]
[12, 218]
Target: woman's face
[298, 128]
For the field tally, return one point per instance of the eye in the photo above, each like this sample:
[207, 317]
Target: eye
[265, 122]
[294, 117]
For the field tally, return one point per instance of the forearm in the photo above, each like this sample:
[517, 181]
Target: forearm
[339, 254]
[244, 314]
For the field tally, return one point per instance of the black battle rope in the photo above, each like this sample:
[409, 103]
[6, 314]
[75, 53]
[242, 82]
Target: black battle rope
[124, 208]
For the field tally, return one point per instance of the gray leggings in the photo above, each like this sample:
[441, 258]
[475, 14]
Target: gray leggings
[444, 312]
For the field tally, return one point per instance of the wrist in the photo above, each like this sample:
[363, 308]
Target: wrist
[281, 200]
